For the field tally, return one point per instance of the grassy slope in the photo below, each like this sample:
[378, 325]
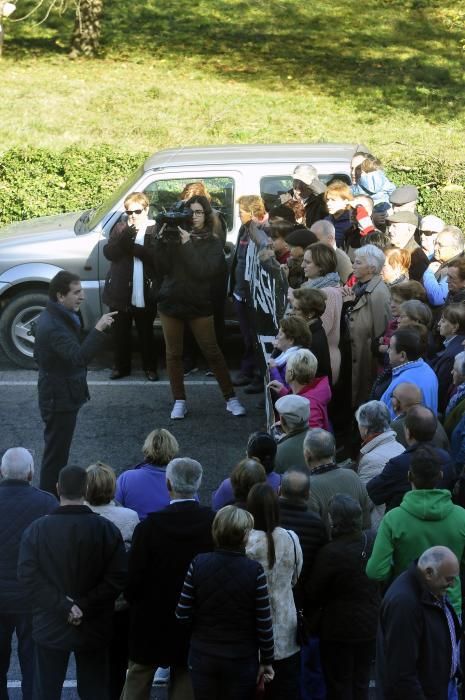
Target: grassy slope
[216, 71]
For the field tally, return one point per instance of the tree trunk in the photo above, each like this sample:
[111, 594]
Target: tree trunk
[86, 34]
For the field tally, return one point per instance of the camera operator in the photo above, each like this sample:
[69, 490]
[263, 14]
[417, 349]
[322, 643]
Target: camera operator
[187, 261]
[130, 286]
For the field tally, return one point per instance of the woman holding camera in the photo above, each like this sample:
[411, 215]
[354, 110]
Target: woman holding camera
[187, 265]
[130, 286]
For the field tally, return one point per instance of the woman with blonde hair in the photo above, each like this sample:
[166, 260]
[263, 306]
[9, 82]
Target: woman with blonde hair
[225, 599]
[253, 216]
[131, 286]
[301, 377]
[143, 487]
[100, 492]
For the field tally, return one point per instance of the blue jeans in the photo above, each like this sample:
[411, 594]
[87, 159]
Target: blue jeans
[219, 678]
[20, 623]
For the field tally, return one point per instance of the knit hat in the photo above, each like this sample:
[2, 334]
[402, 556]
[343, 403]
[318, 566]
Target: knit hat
[404, 195]
[294, 409]
[432, 224]
[302, 237]
[305, 173]
[403, 217]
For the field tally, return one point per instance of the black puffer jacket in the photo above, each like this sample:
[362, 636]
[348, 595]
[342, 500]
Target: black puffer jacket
[339, 588]
[121, 251]
[187, 271]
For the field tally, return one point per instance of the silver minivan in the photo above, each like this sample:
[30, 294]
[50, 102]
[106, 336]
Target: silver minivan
[32, 252]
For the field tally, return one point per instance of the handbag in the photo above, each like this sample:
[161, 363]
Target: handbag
[302, 631]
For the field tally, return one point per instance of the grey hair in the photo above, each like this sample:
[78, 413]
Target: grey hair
[185, 475]
[295, 484]
[323, 228]
[374, 416]
[373, 255]
[319, 444]
[460, 358]
[433, 557]
[456, 234]
[17, 463]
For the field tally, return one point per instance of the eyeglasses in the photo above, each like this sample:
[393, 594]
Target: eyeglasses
[198, 212]
[134, 211]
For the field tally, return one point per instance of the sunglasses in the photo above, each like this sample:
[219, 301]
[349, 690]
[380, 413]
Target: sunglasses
[130, 212]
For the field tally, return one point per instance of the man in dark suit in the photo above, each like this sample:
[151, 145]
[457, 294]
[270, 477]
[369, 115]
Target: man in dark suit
[392, 483]
[163, 546]
[73, 565]
[62, 357]
[20, 504]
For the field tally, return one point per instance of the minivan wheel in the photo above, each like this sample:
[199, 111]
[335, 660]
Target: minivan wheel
[16, 326]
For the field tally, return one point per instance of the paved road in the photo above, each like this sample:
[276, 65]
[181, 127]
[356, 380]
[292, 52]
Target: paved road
[113, 425]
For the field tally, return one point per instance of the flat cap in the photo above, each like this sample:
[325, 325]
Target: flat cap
[302, 237]
[432, 223]
[293, 408]
[404, 195]
[305, 173]
[403, 217]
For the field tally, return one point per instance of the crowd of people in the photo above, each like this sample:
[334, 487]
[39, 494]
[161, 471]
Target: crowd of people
[337, 540]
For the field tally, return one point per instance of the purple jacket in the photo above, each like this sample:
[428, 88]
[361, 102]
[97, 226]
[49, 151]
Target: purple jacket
[143, 488]
[223, 496]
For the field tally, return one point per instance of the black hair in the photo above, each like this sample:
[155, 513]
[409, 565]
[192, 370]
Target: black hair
[425, 467]
[262, 447]
[61, 283]
[206, 206]
[408, 341]
[72, 483]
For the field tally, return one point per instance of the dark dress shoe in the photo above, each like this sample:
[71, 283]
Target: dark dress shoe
[119, 374]
[152, 375]
[241, 380]
[255, 387]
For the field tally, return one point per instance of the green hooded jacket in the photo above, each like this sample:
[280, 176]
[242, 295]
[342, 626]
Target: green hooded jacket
[425, 518]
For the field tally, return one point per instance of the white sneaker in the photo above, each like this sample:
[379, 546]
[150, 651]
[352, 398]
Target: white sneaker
[162, 676]
[235, 407]
[179, 410]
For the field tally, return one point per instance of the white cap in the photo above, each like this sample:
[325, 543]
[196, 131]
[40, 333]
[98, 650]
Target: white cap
[305, 173]
[432, 223]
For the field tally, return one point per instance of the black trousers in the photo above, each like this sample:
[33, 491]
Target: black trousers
[347, 669]
[21, 623]
[286, 682]
[58, 435]
[143, 318]
[50, 672]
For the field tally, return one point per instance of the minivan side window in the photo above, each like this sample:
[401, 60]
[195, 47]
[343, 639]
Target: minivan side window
[163, 194]
[272, 186]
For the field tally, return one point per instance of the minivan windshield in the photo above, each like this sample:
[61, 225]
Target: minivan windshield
[91, 217]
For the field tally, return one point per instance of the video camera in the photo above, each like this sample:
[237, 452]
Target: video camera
[171, 219]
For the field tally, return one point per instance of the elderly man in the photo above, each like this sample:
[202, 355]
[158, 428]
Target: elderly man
[326, 233]
[404, 396]
[430, 227]
[20, 504]
[294, 414]
[405, 350]
[426, 517]
[73, 566]
[418, 633]
[163, 546]
[402, 226]
[404, 198]
[392, 483]
[327, 479]
[309, 190]
[448, 248]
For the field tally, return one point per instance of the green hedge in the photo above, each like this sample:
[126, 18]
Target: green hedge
[38, 182]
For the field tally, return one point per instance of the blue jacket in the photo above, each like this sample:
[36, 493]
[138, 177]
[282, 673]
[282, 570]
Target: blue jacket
[20, 505]
[392, 483]
[376, 185]
[62, 359]
[457, 444]
[421, 374]
[442, 363]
